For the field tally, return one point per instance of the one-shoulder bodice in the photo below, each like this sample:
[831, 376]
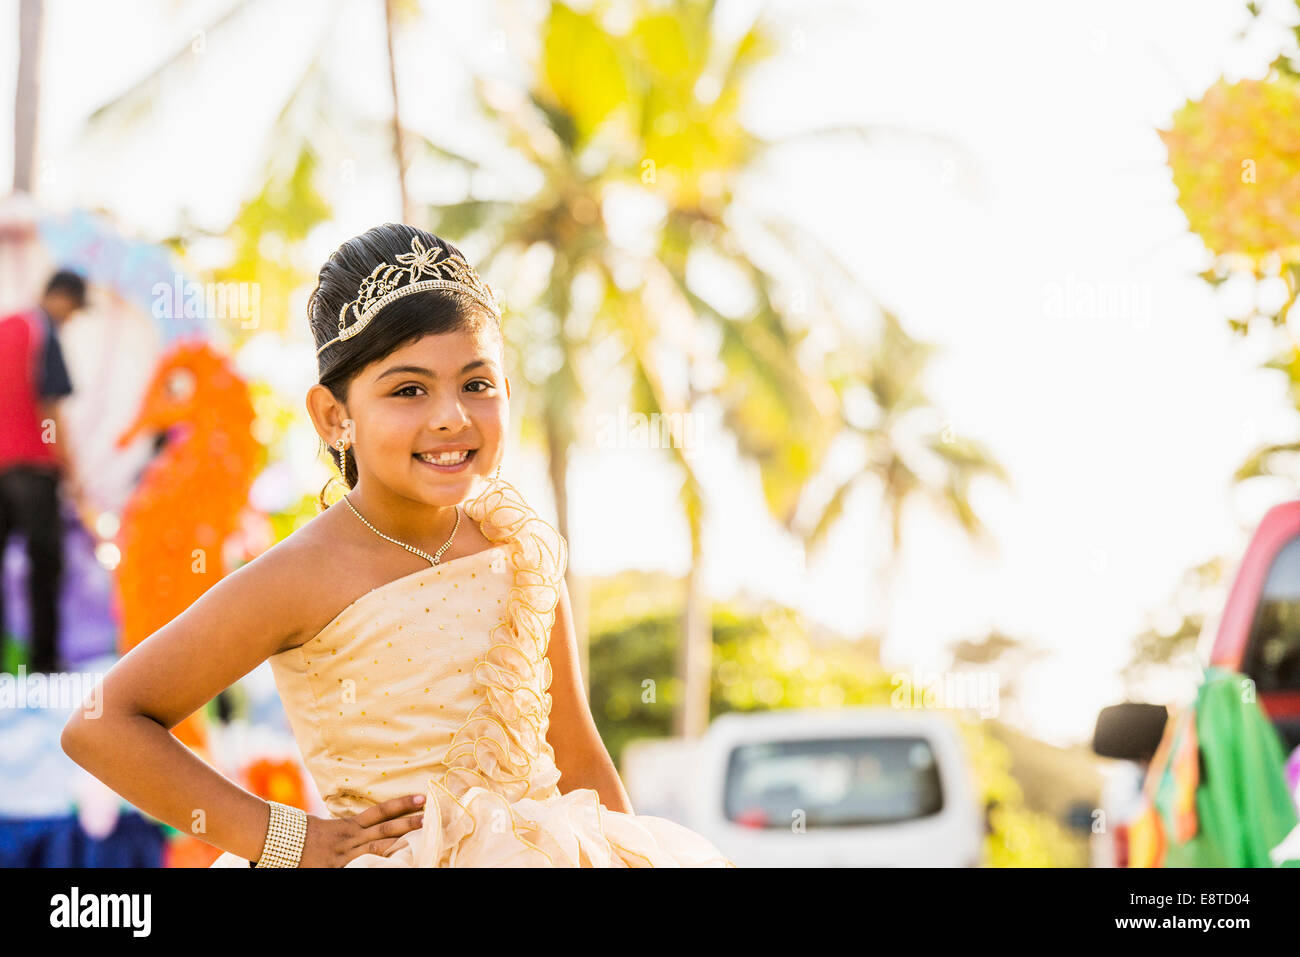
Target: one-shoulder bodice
[436, 683]
[377, 696]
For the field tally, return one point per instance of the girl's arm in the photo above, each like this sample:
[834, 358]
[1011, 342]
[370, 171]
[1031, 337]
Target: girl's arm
[580, 754]
[124, 738]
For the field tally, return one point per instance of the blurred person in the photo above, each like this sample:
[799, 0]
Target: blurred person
[35, 453]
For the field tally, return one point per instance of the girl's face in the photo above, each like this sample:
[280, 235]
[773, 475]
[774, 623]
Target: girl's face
[439, 394]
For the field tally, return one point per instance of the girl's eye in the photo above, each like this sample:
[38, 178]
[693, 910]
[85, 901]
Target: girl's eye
[406, 392]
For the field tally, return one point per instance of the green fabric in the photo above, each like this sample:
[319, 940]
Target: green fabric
[1242, 804]
[12, 652]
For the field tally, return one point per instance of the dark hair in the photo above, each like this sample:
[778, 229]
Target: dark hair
[431, 312]
[69, 283]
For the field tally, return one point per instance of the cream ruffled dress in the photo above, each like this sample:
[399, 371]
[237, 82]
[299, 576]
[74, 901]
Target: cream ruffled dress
[436, 683]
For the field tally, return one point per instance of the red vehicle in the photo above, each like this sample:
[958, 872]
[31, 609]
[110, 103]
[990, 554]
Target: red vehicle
[1257, 635]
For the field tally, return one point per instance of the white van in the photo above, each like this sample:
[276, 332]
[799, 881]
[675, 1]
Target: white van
[856, 787]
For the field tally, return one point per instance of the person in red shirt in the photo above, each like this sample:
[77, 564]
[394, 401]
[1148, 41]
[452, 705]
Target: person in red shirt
[34, 453]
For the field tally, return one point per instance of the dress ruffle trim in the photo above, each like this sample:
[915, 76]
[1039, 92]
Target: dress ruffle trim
[499, 757]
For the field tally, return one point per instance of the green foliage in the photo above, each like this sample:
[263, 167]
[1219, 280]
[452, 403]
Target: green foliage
[582, 74]
[266, 235]
[1025, 838]
[761, 661]
[1019, 836]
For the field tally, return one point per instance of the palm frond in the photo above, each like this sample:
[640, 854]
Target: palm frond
[1264, 461]
[830, 513]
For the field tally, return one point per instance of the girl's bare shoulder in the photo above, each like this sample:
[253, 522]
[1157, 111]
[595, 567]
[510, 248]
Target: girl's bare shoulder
[296, 576]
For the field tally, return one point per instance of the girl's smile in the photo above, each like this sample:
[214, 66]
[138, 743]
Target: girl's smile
[457, 460]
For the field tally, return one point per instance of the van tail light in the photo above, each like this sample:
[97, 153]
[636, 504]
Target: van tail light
[754, 817]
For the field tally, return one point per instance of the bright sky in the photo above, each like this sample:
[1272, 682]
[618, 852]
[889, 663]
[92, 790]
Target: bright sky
[1120, 425]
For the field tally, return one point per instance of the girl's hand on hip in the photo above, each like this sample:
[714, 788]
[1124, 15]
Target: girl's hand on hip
[333, 842]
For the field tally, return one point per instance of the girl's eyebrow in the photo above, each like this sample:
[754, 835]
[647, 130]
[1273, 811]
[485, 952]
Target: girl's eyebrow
[421, 370]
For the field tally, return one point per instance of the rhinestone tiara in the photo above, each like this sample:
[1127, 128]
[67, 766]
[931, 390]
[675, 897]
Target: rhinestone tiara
[389, 281]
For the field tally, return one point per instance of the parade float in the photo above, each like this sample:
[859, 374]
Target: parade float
[162, 425]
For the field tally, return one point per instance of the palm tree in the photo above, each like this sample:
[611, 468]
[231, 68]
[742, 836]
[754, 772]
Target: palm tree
[906, 453]
[654, 110]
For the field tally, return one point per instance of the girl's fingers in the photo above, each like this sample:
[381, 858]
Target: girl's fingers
[393, 829]
[373, 847]
[393, 808]
[398, 827]
[373, 844]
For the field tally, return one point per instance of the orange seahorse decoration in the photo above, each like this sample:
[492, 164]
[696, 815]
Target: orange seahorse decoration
[190, 497]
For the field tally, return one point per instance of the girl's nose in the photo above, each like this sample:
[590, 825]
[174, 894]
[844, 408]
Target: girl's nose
[448, 413]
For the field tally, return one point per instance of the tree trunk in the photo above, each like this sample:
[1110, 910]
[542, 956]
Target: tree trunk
[399, 139]
[557, 471]
[27, 98]
[695, 656]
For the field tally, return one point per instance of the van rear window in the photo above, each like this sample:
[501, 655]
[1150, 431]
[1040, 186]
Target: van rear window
[834, 782]
[1273, 650]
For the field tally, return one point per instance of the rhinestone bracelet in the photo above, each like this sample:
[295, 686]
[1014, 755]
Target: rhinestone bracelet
[284, 837]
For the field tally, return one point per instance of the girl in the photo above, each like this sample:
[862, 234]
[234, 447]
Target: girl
[419, 630]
